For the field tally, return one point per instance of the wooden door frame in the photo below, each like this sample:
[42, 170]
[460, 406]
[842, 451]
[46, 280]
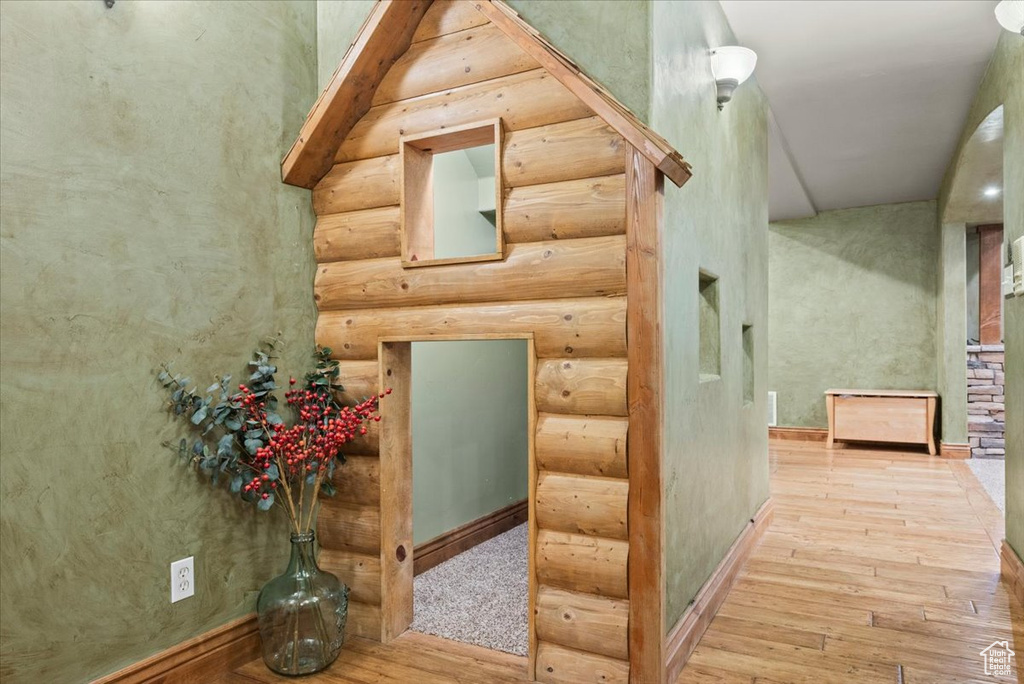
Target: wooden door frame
[990, 283]
[396, 542]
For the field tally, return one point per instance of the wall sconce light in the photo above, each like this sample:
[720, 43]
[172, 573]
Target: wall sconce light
[732, 65]
[1010, 15]
[991, 191]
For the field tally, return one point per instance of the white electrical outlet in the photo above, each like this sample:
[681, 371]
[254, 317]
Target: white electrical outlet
[183, 577]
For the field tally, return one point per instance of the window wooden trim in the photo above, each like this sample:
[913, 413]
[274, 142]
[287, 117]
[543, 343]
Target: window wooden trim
[416, 154]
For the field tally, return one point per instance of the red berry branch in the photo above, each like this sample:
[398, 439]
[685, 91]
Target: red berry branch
[269, 461]
[306, 450]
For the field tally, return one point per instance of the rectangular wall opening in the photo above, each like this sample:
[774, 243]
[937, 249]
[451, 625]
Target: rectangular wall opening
[748, 364]
[451, 195]
[470, 488]
[710, 334]
[464, 203]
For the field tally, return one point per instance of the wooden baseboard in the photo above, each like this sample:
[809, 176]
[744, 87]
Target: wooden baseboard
[948, 450]
[683, 637]
[200, 660]
[1013, 571]
[799, 434]
[450, 544]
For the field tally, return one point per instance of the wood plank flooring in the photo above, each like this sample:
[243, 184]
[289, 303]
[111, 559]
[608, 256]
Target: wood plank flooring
[880, 566]
[410, 659]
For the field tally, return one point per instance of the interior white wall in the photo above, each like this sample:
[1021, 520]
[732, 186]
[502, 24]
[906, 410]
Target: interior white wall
[460, 229]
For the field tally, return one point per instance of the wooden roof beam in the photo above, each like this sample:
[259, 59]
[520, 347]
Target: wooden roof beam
[383, 38]
[664, 157]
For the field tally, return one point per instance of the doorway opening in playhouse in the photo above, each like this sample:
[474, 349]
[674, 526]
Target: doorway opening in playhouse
[456, 464]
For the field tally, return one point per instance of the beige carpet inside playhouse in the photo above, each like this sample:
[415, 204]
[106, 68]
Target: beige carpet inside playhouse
[478, 597]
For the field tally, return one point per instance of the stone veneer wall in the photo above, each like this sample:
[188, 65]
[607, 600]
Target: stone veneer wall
[986, 411]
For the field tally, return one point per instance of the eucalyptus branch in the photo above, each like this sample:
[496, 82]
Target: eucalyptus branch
[241, 435]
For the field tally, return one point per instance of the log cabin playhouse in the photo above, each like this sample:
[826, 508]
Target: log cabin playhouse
[575, 272]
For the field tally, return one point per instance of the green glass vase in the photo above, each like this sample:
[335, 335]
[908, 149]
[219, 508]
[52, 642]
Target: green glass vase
[302, 614]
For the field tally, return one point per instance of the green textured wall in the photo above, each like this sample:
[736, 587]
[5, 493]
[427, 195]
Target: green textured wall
[1003, 84]
[1011, 49]
[143, 220]
[951, 331]
[469, 427]
[715, 444]
[852, 304]
[610, 40]
[337, 22]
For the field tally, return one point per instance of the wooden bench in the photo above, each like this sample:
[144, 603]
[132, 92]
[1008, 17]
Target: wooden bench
[906, 417]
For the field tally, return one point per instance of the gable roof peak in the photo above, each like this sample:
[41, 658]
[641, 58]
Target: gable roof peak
[387, 34]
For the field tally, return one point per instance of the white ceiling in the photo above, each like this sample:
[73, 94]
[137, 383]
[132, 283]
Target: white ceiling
[869, 96]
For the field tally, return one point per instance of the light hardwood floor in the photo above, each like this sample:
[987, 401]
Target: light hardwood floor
[880, 566]
[410, 659]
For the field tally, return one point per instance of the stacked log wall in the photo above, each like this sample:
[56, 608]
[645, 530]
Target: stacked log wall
[562, 280]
